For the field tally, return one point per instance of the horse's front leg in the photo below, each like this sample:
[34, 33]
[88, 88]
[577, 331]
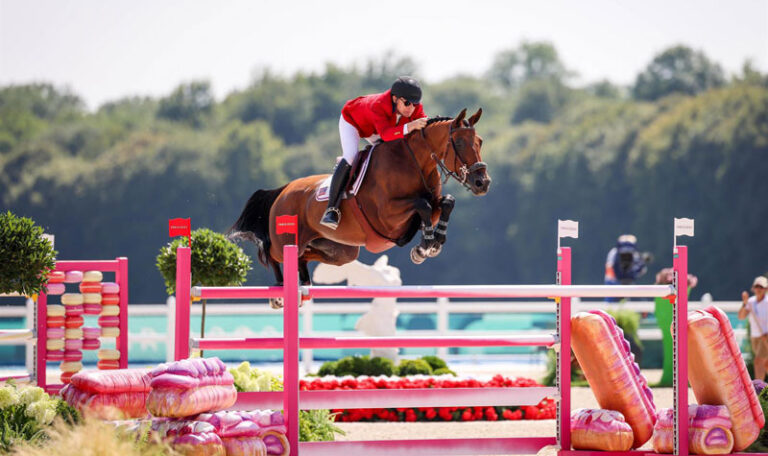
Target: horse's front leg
[422, 251]
[446, 207]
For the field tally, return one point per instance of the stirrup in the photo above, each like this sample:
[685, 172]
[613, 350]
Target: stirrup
[327, 219]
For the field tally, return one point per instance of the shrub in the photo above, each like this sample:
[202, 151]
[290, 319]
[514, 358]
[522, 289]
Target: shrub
[328, 368]
[358, 365]
[443, 371]
[216, 262]
[413, 367]
[434, 362]
[27, 258]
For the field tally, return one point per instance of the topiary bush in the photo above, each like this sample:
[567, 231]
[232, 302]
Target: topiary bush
[443, 371]
[26, 258]
[434, 362]
[216, 262]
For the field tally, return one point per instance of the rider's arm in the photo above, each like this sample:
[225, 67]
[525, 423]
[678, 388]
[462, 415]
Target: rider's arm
[384, 127]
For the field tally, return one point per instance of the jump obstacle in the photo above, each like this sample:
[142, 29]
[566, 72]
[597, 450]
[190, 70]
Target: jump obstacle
[119, 267]
[291, 400]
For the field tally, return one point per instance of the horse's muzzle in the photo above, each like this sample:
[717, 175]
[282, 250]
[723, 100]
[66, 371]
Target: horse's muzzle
[479, 182]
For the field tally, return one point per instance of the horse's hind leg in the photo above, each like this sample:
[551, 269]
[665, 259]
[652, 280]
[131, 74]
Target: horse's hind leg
[304, 278]
[276, 303]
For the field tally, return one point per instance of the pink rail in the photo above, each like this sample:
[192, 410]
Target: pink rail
[392, 398]
[520, 445]
[119, 267]
[492, 291]
[265, 343]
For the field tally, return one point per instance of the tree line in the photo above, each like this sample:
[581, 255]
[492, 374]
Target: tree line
[684, 140]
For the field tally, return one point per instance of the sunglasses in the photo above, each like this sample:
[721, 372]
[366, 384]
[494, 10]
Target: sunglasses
[408, 103]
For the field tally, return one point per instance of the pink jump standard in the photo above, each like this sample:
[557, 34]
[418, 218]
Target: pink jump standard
[291, 342]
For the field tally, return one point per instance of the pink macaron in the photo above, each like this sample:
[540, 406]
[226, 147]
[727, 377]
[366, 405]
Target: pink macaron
[74, 311]
[73, 277]
[54, 333]
[73, 344]
[110, 299]
[55, 289]
[91, 344]
[91, 309]
[110, 288]
[55, 355]
[109, 322]
[73, 355]
[89, 332]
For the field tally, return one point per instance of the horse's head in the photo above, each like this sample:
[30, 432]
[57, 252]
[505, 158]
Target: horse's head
[463, 157]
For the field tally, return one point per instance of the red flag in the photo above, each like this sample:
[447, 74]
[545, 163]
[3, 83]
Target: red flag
[288, 224]
[180, 227]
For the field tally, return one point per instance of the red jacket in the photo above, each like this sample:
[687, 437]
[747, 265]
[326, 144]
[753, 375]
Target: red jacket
[375, 114]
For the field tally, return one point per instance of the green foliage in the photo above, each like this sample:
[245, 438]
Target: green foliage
[435, 362]
[190, 103]
[443, 371]
[314, 425]
[26, 413]
[216, 262]
[413, 367]
[540, 101]
[529, 61]
[629, 322]
[363, 365]
[27, 258]
[761, 444]
[681, 70]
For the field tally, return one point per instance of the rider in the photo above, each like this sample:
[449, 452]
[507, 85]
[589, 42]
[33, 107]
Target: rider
[383, 116]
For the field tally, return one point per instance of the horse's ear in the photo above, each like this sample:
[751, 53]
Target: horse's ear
[475, 117]
[381, 261]
[459, 118]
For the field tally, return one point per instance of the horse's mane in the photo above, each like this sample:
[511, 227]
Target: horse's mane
[432, 120]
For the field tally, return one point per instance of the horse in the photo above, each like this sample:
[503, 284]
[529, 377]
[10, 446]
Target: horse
[400, 194]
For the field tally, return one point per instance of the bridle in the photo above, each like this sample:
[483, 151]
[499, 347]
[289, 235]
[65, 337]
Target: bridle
[463, 170]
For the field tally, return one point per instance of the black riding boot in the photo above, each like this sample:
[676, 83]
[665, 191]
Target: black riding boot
[332, 215]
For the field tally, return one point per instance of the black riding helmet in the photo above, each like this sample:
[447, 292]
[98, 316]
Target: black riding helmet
[408, 88]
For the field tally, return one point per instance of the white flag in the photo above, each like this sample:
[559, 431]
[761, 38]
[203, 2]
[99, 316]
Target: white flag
[683, 227]
[567, 228]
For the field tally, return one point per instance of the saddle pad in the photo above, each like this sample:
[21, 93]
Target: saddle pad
[358, 173]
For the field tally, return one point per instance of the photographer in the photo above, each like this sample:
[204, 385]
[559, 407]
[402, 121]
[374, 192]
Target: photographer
[625, 264]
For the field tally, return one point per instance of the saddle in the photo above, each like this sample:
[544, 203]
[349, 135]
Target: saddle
[359, 168]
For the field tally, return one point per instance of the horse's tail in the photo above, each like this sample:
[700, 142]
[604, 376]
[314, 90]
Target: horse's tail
[253, 224]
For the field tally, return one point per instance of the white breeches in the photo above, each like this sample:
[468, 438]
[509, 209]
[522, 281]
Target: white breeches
[350, 140]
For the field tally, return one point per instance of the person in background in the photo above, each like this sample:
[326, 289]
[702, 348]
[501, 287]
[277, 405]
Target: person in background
[625, 264]
[756, 307]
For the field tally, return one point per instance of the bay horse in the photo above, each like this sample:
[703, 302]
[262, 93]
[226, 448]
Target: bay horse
[400, 194]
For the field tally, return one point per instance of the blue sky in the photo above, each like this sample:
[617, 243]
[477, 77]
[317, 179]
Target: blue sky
[104, 50]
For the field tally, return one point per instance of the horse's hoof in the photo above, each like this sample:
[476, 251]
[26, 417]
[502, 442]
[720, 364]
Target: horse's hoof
[276, 303]
[417, 255]
[435, 251]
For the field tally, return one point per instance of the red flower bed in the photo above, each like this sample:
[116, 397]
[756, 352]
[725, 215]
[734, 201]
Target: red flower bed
[544, 410]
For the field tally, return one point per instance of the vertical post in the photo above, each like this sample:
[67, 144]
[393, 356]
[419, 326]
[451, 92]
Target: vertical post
[308, 312]
[42, 340]
[121, 277]
[680, 358]
[29, 347]
[291, 344]
[564, 354]
[183, 302]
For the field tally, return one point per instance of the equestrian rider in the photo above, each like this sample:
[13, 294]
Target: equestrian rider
[379, 117]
